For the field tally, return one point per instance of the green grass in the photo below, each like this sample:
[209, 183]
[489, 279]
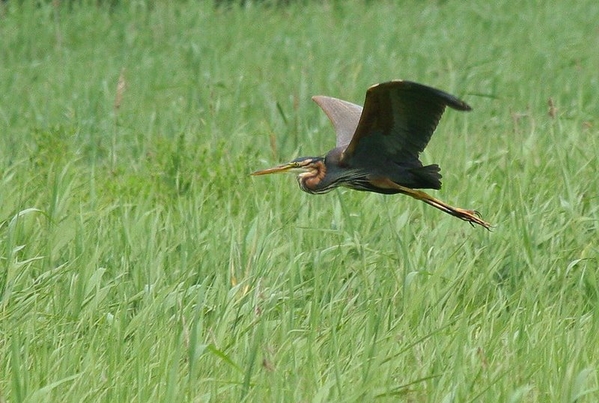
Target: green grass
[140, 262]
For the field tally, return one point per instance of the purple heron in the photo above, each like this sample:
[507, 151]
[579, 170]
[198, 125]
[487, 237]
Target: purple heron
[378, 146]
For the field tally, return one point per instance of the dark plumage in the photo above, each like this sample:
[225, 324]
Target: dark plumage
[378, 146]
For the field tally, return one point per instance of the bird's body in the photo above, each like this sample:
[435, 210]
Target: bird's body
[378, 146]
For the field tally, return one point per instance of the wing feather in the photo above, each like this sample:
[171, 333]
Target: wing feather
[343, 115]
[398, 120]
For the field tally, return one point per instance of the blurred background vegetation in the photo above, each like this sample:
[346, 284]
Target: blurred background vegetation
[140, 262]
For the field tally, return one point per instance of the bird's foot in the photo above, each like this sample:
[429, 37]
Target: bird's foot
[472, 216]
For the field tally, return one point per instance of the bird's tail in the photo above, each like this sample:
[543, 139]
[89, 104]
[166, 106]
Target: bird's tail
[427, 177]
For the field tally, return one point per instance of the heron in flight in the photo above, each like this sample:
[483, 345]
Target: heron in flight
[378, 146]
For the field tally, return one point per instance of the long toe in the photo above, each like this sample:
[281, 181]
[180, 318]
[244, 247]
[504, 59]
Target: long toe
[472, 216]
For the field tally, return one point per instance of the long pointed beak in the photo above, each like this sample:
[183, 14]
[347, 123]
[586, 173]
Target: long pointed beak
[280, 168]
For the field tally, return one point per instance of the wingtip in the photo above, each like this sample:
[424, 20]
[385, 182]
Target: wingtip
[465, 107]
[450, 100]
[319, 98]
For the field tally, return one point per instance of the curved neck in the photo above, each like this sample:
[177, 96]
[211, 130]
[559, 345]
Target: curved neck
[314, 181]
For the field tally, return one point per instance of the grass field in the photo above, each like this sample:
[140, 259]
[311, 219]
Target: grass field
[139, 261]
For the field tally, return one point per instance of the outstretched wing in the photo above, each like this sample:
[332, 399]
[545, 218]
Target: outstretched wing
[343, 115]
[398, 120]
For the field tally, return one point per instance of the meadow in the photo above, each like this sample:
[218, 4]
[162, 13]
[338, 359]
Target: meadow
[139, 261]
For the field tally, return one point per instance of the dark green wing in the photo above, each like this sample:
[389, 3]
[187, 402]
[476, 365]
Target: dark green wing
[397, 122]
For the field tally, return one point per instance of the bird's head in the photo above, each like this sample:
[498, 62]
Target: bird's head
[311, 172]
